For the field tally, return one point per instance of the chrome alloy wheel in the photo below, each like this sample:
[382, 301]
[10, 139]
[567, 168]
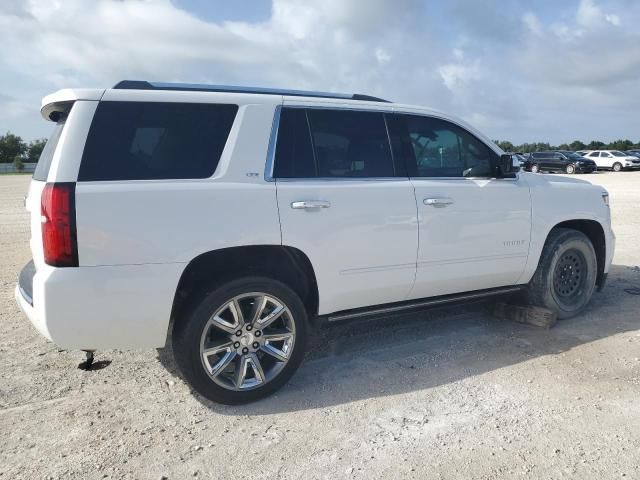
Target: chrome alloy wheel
[247, 341]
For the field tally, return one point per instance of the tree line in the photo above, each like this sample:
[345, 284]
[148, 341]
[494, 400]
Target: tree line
[13, 149]
[621, 145]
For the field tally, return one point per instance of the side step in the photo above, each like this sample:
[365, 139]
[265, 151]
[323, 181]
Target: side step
[403, 307]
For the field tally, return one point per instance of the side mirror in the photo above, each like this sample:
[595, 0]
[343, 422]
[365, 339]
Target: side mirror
[508, 165]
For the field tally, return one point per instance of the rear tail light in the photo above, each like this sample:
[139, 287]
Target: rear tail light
[58, 216]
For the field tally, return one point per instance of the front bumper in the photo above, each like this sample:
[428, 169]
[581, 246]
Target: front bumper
[586, 168]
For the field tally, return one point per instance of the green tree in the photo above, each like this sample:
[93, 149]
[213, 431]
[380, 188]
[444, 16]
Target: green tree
[596, 145]
[35, 149]
[577, 145]
[18, 163]
[621, 145]
[11, 146]
[506, 146]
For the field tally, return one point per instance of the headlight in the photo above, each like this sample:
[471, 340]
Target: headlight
[605, 198]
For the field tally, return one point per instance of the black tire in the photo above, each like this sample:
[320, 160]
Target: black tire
[566, 276]
[617, 167]
[570, 169]
[188, 333]
[535, 168]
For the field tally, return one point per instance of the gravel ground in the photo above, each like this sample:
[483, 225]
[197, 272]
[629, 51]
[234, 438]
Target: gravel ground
[453, 393]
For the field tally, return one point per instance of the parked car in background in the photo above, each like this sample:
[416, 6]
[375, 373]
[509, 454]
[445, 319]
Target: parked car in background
[614, 160]
[520, 157]
[559, 161]
[635, 153]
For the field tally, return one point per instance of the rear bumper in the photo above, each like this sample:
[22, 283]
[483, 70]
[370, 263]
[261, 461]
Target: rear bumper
[91, 308]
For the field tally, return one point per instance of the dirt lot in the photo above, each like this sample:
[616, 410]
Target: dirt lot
[453, 393]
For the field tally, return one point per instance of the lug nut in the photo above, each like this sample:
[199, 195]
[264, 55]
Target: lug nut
[238, 333]
[236, 345]
[258, 333]
[245, 350]
[256, 344]
[249, 327]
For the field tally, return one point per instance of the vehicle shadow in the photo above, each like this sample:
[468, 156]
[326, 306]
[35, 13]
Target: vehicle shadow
[419, 351]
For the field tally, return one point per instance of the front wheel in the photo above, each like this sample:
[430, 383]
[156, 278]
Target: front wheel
[566, 276]
[570, 169]
[243, 341]
[617, 167]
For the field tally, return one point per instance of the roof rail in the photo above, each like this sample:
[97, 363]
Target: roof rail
[144, 85]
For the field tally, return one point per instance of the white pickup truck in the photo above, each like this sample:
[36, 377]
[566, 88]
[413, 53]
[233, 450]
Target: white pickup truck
[232, 220]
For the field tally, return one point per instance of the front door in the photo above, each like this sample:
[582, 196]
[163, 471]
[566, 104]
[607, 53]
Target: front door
[473, 228]
[346, 205]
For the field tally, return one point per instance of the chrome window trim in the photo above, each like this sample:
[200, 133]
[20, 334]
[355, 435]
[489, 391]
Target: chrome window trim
[271, 150]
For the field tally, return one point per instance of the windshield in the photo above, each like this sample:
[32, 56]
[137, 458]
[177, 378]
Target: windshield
[617, 153]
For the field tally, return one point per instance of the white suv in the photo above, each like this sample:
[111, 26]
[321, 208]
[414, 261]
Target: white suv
[235, 220]
[613, 159]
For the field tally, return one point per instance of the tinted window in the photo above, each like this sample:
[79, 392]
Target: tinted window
[294, 153]
[350, 143]
[438, 148]
[44, 162]
[147, 141]
[604, 154]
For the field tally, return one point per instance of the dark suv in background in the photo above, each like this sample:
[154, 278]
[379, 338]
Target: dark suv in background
[559, 161]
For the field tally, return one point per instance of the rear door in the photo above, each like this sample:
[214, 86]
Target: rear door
[344, 202]
[473, 228]
[558, 161]
[539, 159]
[606, 159]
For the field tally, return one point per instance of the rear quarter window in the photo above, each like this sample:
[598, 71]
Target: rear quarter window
[154, 141]
[44, 162]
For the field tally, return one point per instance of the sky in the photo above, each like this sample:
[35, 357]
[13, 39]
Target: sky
[518, 70]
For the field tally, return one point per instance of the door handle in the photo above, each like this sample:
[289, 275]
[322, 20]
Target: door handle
[310, 204]
[438, 202]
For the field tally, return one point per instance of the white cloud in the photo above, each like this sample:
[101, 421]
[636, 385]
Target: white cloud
[457, 75]
[589, 14]
[495, 63]
[532, 23]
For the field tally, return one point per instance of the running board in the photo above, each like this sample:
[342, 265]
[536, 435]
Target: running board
[382, 310]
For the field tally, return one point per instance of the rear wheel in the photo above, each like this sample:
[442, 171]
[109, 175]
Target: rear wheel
[535, 168]
[243, 341]
[570, 169]
[617, 167]
[566, 276]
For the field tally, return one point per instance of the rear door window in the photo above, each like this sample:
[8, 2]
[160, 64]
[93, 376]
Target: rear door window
[153, 140]
[294, 152]
[319, 143]
[350, 144]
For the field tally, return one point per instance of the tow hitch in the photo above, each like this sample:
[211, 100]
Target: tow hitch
[88, 362]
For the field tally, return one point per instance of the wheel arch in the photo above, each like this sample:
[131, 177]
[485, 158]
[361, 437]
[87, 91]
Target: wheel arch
[595, 233]
[286, 264]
